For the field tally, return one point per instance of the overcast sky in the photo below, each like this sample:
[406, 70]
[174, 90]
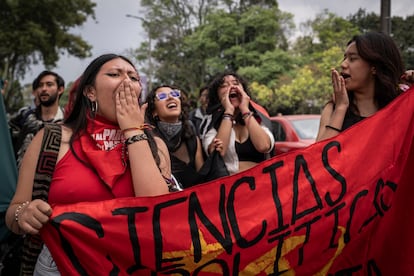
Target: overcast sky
[113, 31]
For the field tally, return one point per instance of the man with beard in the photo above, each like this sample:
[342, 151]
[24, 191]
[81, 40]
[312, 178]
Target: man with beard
[47, 89]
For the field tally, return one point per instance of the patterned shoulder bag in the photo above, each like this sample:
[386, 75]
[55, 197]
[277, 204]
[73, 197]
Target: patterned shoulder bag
[44, 172]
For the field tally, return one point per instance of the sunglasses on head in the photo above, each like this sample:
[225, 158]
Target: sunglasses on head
[161, 96]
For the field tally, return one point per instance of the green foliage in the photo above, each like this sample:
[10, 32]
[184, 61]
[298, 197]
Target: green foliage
[311, 88]
[167, 56]
[13, 98]
[38, 31]
[192, 42]
[264, 95]
[365, 22]
[333, 31]
[251, 38]
[302, 95]
[243, 37]
[402, 31]
[272, 67]
[325, 31]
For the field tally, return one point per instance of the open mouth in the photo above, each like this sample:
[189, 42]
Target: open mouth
[171, 105]
[233, 94]
[345, 76]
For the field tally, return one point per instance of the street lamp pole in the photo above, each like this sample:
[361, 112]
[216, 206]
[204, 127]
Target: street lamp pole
[386, 16]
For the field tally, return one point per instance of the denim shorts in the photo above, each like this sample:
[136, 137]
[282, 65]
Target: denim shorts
[45, 265]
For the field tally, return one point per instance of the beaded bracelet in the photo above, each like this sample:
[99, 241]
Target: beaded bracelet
[136, 138]
[141, 127]
[19, 209]
[247, 115]
[333, 128]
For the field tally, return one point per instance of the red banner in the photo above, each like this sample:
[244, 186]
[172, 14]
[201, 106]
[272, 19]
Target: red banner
[339, 207]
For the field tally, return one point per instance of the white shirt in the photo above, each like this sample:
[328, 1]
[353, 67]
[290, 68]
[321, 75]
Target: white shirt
[230, 158]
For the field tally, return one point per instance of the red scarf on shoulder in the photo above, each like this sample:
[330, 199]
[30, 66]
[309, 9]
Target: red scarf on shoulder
[102, 144]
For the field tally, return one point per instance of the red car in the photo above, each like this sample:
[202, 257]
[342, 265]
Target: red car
[293, 132]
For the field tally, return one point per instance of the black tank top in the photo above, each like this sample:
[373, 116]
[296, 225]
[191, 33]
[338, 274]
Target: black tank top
[351, 119]
[247, 152]
[185, 173]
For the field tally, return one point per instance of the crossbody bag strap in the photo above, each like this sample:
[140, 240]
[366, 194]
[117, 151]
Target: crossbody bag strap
[44, 173]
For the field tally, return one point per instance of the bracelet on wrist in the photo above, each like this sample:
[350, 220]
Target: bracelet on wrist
[136, 138]
[333, 128]
[141, 127]
[227, 116]
[19, 209]
[247, 115]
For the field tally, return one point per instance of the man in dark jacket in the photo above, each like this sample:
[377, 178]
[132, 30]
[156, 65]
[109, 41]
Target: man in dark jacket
[47, 89]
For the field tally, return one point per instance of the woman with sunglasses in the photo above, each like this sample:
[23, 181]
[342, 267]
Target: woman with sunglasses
[236, 130]
[165, 111]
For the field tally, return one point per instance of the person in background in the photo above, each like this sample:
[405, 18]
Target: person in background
[236, 129]
[47, 88]
[91, 165]
[197, 115]
[165, 112]
[368, 81]
[407, 80]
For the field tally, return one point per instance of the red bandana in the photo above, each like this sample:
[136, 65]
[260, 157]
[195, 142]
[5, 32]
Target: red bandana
[103, 146]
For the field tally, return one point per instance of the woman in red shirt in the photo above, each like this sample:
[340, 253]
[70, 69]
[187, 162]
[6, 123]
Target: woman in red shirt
[106, 150]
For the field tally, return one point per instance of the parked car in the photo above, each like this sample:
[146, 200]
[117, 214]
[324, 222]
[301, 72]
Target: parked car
[293, 132]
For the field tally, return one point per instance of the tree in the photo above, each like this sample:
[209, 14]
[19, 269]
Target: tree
[325, 31]
[366, 22]
[240, 36]
[308, 87]
[272, 67]
[311, 88]
[38, 31]
[404, 37]
[191, 41]
[163, 57]
[401, 31]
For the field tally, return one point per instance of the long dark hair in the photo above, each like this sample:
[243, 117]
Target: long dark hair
[188, 130]
[381, 52]
[77, 118]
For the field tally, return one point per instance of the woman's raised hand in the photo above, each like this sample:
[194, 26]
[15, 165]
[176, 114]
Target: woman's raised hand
[245, 100]
[128, 111]
[340, 95]
[225, 101]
